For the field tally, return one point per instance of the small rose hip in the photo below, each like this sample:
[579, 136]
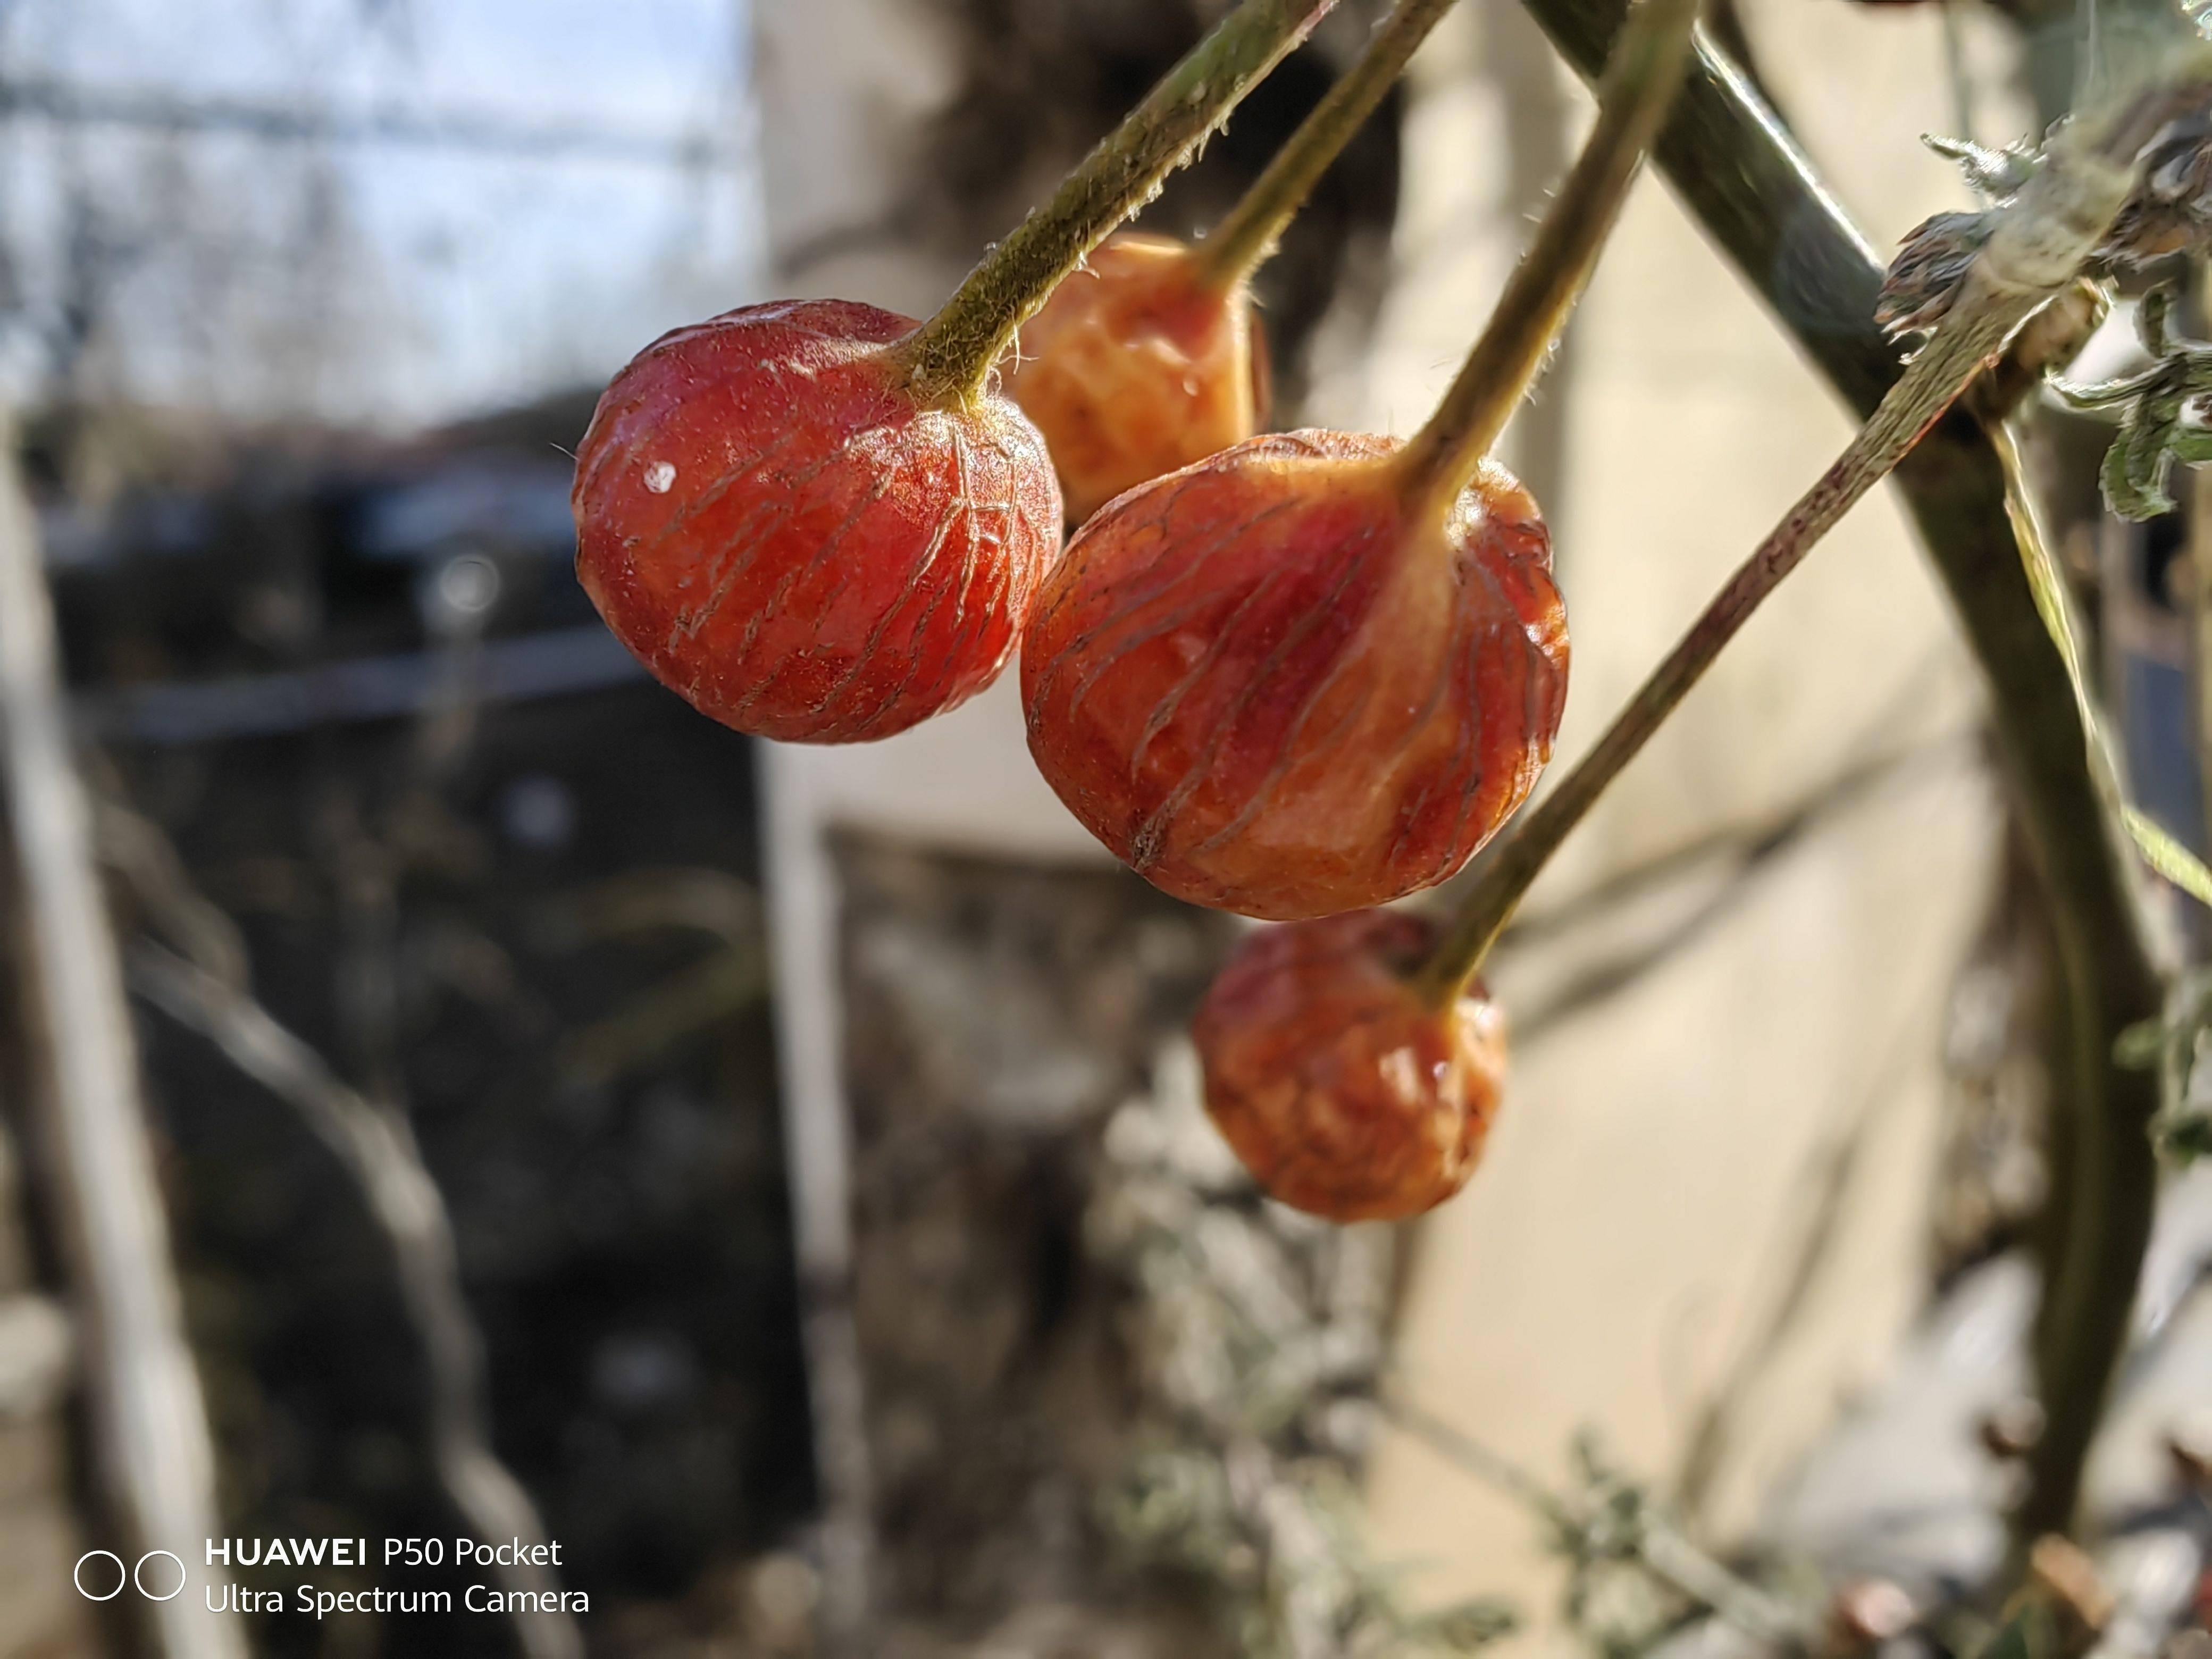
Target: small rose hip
[1283, 682]
[1141, 363]
[1347, 1090]
[792, 541]
[817, 520]
[1150, 359]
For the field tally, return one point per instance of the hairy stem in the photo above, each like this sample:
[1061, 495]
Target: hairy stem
[1934, 380]
[949, 358]
[1241, 243]
[1743, 176]
[1639, 82]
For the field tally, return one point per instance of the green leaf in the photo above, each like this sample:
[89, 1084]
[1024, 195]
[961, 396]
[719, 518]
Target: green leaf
[1465, 1627]
[2043, 579]
[2169, 857]
[2159, 850]
[2133, 476]
[2032, 1632]
[2184, 1137]
[2141, 1046]
[2105, 394]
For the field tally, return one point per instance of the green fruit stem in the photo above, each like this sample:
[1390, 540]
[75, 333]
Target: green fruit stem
[2036, 251]
[949, 358]
[1639, 83]
[1242, 242]
[1929, 385]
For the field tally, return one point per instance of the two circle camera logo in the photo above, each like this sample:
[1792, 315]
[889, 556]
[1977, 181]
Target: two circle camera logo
[100, 1575]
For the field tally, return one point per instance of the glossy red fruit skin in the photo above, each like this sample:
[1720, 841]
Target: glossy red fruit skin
[791, 543]
[1270, 685]
[1343, 1092]
[1136, 367]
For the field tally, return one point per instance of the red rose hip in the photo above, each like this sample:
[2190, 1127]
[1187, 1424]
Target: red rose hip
[1277, 683]
[819, 521]
[1138, 365]
[1347, 1092]
[792, 541]
[1149, 359]
[1314, 673]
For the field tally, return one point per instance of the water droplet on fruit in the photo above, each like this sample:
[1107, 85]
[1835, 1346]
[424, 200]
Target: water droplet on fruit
[660, 476]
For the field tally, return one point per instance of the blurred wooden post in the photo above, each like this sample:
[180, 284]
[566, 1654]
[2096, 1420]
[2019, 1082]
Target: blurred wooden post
[156, 1462]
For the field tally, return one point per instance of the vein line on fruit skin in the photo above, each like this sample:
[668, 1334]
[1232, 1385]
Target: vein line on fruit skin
[1288, 753]
[1016, 518]
[726, 568]
[1464, 672]
[963, 509]
[1186, 570]
[1165, 711]
[1175, 619]
[628, 452]
[1254, 599]
[772, 607]
[756, 465]
[967, 554]
[966, 504]
[1469, 737]
[1161, 823]
[876, 634]
[590, 475]
[1541, 677]
[690, 618]
[878, 491]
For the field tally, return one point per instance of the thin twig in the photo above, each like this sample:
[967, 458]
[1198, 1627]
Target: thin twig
[1657, 1547]
[732, 977]
[149, 1422]
[1955, 69]
[1833, 1166]
[1749, 849]
[2199, 507]
[377, 1149]
[1863, 760]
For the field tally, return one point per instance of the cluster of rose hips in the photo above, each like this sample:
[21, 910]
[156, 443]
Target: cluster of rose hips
[1297, 675]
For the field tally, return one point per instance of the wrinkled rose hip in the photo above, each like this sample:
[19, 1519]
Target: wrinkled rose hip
[1344, 1090]
[1139, 365]
[788, 538]
[1276, 683]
